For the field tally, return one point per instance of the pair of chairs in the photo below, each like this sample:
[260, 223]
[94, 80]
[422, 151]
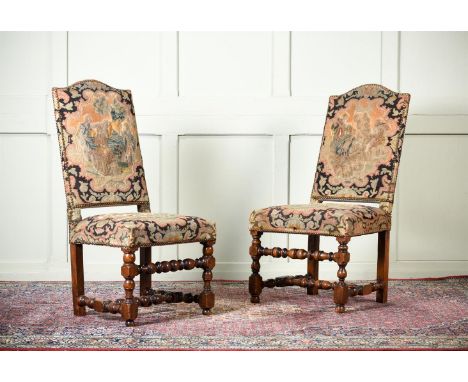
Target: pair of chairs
[102, 166]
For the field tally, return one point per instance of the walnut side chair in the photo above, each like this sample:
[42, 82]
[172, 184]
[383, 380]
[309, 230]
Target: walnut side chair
[102, 166]
[358, 162]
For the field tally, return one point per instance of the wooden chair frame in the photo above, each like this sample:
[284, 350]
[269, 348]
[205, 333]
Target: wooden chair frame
[128, 307]
[375, 186]
[311, 280]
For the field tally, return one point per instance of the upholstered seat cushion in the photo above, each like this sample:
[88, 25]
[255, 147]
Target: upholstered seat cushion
[141, 230]
[330, 219]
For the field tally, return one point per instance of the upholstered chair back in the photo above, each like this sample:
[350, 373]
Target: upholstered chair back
[99, 147]
[361, 146]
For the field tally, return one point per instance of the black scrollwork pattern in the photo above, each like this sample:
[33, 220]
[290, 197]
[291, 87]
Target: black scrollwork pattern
[99, 145]
[142, 230]
[361, 145]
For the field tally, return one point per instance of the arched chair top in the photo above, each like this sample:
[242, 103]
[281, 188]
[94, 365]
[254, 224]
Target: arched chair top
[92, 83]
[361, 145]
[100, 151]
[370, 89]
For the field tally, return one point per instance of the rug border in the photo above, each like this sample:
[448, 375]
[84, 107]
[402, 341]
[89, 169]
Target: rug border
[233, 349]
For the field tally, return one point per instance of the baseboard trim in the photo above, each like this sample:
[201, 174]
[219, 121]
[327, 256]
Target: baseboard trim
[238, 271]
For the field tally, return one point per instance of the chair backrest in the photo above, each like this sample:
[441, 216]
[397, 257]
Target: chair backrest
[361, 146]
[99, 147]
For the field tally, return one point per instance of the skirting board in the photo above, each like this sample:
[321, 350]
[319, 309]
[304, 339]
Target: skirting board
[237, 271]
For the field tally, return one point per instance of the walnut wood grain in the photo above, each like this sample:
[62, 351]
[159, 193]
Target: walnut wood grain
[312, 263]
[145, 278]
[172, 266]
[341, 290]
[294, 253]
[107, 306]
[382, 265]
[340, 295]
[77, 275]
[207, 297]
[152, 297]
[255, 280]
[129, 307]
[362, 290]
[300, 281]
[155, 297]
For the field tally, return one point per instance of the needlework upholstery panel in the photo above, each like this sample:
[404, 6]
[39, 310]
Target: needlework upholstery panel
[361, 146]
[328, 219]
[100, 151]
[141, 230]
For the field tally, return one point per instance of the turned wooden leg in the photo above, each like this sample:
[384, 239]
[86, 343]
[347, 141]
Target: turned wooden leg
[340, 295]
[207, 297]
[313, 265]
[382, 265]
[255, 280]
[76, 260]
[129, 307]
[145, 278]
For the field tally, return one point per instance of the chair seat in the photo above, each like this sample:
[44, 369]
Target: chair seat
[331, 219]
[141, 230]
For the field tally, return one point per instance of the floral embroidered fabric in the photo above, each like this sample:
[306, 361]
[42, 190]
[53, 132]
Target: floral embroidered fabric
[98, 139]
[361, 145]
[328, 219]
[141, 230]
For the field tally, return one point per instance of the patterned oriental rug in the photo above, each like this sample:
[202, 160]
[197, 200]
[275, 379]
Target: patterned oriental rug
[420, 315]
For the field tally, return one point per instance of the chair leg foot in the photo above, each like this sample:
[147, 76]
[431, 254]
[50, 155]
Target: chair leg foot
[313, 265]
[340, 290]
[207, 297]
[129, 307]
[145, 278]
[255, 299]
[382, 265]
[339, 308]
[255, 287]
[76, 260]
[381, 296]
[78, 312]
[255, 280]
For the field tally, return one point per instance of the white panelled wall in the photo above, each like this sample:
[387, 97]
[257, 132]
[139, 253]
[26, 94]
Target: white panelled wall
[230, 122]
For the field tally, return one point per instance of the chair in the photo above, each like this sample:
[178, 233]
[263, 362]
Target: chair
[358, 162]
[102, 166]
